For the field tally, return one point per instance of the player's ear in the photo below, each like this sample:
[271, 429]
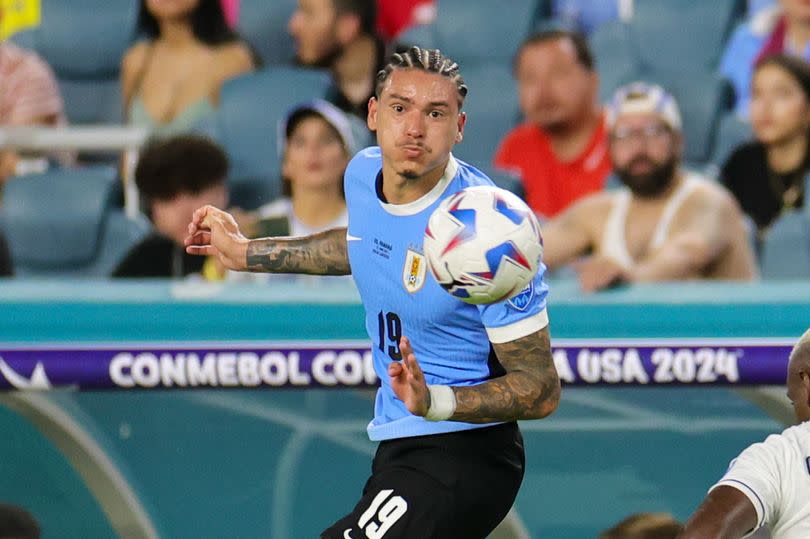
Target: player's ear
[371, 119]
[462, 121]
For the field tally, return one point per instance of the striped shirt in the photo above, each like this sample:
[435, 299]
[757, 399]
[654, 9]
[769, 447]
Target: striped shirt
[28, 89]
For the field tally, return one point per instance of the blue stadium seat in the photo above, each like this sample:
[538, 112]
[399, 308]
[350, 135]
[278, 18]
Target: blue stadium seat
[84, 41]
[786, 250]
[471, 32]
[689, 32]
[263, 23]
[731, 132]
[616, 57]
[492, 110]
[250, 111]
[62, 223]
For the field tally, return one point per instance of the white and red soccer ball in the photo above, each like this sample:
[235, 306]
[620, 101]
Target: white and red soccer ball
[483, 244]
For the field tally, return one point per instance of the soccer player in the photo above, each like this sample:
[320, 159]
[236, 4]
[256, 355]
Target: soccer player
[450, 459]
[769, 483]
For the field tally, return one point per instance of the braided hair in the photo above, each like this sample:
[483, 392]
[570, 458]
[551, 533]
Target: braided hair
[430, 60]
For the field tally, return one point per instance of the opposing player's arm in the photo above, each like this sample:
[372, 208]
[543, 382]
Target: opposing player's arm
[726, 513]
[324, 253]
[213, 232]
[530, 389]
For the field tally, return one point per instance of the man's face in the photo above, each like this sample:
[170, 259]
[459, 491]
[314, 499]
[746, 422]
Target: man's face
[417, 120]
[798, 388]
[645, 153]
[314, 27]
[554, 88]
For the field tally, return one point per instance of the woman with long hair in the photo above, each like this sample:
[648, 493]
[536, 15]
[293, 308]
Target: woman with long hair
[171, 79]
[767, 175]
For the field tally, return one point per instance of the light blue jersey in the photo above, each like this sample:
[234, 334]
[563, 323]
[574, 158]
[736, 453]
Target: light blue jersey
[451, 339]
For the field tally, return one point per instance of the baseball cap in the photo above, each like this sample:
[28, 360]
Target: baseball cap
[644, 98]
[352, 134]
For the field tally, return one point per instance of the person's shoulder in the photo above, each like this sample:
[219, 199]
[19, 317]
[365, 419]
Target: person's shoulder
[135, 56]
[707, 193]
[235, 53]
[25, 60]
[746, 153]
[797, 436]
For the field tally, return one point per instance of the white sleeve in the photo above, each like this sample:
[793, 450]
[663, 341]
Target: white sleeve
[756, 473]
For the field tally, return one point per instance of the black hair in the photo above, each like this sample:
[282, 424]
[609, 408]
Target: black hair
[207, 22]
[796, 67]
[18, 523]
[430, 60]
[365, 10]
[583, 51]
[180, 164]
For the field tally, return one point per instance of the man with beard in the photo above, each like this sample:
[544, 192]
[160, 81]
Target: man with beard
[561, 150]
[339, 35]
[665, 224]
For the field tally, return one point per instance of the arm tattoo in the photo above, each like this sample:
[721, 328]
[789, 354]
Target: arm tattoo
[530, 389]
[324, 253]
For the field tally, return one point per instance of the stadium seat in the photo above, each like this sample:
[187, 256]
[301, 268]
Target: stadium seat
[616, 57]
[694, 32]
[472, 32]
[505, 179]
[492, 110]
[84, 41]
[786, 249]
[250, 111]
[731, 132]
[263, 23]
[63, 223]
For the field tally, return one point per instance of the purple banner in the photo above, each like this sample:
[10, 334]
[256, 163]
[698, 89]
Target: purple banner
[303, 365]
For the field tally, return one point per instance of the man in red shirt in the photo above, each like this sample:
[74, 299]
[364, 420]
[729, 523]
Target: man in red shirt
[561, 149]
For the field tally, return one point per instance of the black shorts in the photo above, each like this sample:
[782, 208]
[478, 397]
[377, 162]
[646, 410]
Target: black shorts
[457, 485]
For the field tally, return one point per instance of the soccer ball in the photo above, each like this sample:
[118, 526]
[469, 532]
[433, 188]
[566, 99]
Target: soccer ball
[483, 244]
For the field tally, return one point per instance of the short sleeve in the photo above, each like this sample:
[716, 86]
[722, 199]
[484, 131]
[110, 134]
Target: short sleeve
[35, 91]
[519, 316]
[756, 473]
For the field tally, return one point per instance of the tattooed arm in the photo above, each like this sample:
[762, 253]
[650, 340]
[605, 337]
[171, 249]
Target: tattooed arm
[324, 253]
[213, 232]
[530, 389]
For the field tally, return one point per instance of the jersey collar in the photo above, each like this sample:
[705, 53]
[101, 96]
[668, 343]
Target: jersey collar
[420, 204]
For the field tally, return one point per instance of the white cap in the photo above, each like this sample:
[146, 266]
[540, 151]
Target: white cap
[352, 134]
[644, 98]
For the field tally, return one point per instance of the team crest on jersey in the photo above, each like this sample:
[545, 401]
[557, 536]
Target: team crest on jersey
[522, 300]
[413, 274]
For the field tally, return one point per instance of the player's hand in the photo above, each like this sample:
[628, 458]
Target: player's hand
[213, 232]
[598, 272]
[408, 381]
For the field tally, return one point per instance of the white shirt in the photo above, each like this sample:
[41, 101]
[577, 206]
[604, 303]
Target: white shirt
[775, 476]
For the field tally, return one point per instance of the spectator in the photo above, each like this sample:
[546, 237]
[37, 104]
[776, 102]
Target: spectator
[784, 27]
[767, 175]
[319, 140]
[340, 35]
[29, 95]
[6, 266]
[171, 81]
[767, 485]
[665, 224]
[17, 523]
[644, 526]
[175, 176]
[396, 16]
[561, 150]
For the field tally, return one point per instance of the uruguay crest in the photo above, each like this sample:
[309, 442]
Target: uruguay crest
[413, 274]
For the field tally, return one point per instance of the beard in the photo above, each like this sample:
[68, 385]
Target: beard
[649, 184]
[327, 58]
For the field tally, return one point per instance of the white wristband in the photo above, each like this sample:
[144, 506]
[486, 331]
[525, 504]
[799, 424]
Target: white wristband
[442, 403]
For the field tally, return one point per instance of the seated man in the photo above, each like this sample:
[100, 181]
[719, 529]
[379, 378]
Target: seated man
[29, 95]
[175, 176]
[666, 224]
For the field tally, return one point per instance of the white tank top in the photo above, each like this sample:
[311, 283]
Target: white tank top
[613, 239]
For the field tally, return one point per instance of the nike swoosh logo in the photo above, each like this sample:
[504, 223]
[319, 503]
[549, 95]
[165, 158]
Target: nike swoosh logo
[349, 237]
[346, 534]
